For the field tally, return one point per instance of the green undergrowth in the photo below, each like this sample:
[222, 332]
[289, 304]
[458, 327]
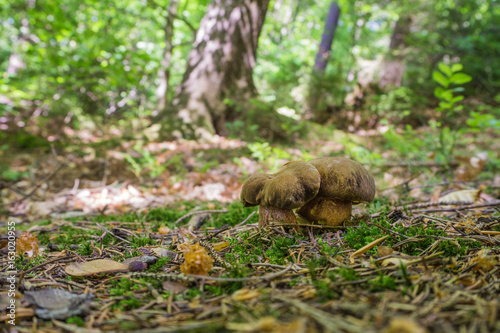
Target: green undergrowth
[246, 249]
[68, 236]
[423, 236]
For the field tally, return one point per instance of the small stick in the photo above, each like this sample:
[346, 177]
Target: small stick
[112, 234]
[245, 220]
[200, 212]
[490, 204]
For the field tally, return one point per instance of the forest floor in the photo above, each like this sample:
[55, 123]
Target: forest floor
[102, 238]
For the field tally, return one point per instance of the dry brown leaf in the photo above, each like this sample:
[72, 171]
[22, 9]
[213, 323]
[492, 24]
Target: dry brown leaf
[27, 244]
[485, 261]
[95, 267]
[174, 287]
[384, 251]
[470, 167]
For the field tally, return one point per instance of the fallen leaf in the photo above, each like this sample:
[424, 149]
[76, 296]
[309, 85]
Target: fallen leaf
[463, 195]
[404, 325]
[245, 294]
[58, 304]
[394, 261]
[174, 287]
[220, 246]
[27, 244]
[384, 251]
[95, 267]
[485, 260]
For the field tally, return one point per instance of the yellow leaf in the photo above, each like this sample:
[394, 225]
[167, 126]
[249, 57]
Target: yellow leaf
[394, 261]
[220, 246]
[245, 294]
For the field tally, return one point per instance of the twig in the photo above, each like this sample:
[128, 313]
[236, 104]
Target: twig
[337, 227]
[200, 212]
[490, 204]
[180, 277]
[331, 323]
[245, 220]
[112, 234]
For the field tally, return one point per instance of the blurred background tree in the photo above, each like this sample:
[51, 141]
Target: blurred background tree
[88, 63]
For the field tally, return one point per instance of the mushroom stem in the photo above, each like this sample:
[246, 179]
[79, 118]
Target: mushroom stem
[268, 213]
[327, 211]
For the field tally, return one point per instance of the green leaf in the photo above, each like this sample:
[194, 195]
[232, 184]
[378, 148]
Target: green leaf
[440, 79]
[445, 69]
[458, 89]
[456, 68]
[443, 94]
[460, 78]
[438, 92]
[457, 99]
[445, 105]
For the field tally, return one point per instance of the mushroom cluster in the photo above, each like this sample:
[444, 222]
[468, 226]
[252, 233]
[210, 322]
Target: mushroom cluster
[323, 189]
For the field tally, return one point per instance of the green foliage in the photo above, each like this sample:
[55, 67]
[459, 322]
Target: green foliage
[149, 163]
[247, 251]
[480, 122]
[158, 265]
[137, 242]
[12, 175]
[278, 252]
[395, 104]
[446, 77]
[75, 320]
[263, 152]
[124, 287]
[382, 282]
[348, 274]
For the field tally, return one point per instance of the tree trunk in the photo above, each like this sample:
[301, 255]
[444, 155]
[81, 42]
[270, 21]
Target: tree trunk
[218, 76]
[164, 72]
[327, 39]
[392, 68]
[315, 103]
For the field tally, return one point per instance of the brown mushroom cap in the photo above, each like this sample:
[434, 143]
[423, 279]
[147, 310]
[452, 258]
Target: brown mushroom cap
[277, 194]
[291, 187]
[344, 179]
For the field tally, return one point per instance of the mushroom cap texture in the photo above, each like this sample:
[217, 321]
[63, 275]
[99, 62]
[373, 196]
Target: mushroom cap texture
[292, 186]
[344, 179]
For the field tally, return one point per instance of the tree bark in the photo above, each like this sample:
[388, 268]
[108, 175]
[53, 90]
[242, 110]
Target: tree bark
[218, 77]
[316, 110]
[327, 39]
[392, 68]
[164, 72]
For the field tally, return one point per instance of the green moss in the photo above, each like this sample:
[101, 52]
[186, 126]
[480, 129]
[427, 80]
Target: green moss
[382, 282]
[75, 320]
[278, 251]
[247, 251]
[22, 263]
[348, 274]
[157, 266]
[141, 241]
